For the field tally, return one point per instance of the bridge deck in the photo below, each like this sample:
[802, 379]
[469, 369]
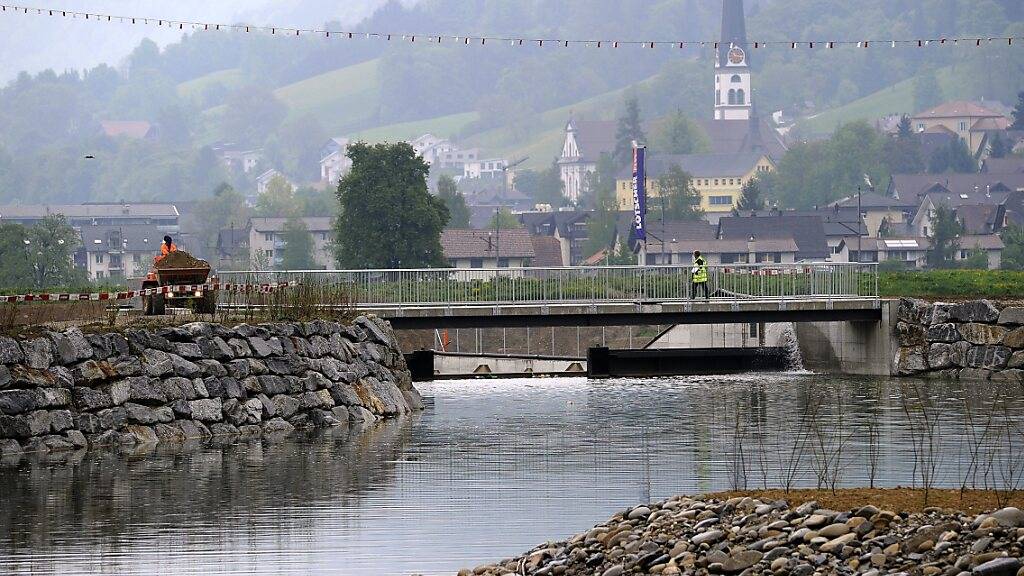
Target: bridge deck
[647, 313]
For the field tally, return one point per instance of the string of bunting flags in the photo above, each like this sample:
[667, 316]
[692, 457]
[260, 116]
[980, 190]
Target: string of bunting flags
[513, 41]
[129, 294]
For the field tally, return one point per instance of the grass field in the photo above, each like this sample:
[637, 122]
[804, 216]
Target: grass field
[230, 78]
[342, 99]
[442, 126]
[896, 99]
[1001, 284]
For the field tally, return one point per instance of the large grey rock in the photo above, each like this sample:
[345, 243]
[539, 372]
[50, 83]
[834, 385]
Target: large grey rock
[88, 423]
[215, 348]
[390, 398]
[238, 369]
[212, 368]
[38, 353]
[143, 434]
[263, 348]
[360, 415]
[959, 353]
[285, 406]
[207, 410]
[234, 412]
[988, 357]
[224, 429]
[269, 408]
[323, 419]
[143, 390]
[975, 311]
[1012, 315]
[277, 426]
[5, 377]
[254, 410]
[189, 350]
[139, 414]
[53, 397]
[26, 377]
[17, 401]
[192, 429]
[982, 334]
[80, 344]
[1015, 339]
[112, 418]
[345, 395]
[946, 333]
[941, 313]
[1017, 360]
[413, 399]
[316, 381]
[176, 388]
[61, 420]
[10, 351]
[239, 348]
[89, 399]
[271, 385]
[25, 425]
[911, 360]
[997, 567]
[910, 310]
[183, 367]
[375, 331]
[64, 353]
[157, 363]
[92, 371]
[226, 387]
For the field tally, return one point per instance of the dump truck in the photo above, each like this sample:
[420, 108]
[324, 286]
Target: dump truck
[179, 268]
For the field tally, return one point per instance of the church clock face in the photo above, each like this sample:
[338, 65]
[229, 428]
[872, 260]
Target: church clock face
[737, 56]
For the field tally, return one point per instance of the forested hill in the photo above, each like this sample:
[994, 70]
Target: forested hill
[288, 94]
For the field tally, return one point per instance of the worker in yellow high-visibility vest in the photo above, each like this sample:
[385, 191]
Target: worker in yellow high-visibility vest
[699, 280]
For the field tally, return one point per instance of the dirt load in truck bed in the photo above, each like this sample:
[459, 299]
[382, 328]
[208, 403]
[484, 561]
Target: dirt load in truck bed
[180, 259]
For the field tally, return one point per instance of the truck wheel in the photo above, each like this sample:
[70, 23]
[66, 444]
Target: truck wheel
[207, 304]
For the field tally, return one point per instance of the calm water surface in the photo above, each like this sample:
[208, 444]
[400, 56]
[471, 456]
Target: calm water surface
[491, 469]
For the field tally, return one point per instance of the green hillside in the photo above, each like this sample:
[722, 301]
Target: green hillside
[896, 99]
[442, 126]
[229, 78]
[342, 99]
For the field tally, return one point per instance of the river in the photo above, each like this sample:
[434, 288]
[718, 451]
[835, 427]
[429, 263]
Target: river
[489, 470]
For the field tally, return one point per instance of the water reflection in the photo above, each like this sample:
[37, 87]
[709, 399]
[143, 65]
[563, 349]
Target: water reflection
[491, 469]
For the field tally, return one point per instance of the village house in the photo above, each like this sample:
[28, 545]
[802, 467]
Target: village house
[119, 251]
[718, 179]
[334, 160]
[163, 216]
[130, 129]
[233, 249]
[487, 250]
[912, 252]
[238, 159]
[569, 227]
[267, 242]
[807, 231]
[971, 121]
[263, 180]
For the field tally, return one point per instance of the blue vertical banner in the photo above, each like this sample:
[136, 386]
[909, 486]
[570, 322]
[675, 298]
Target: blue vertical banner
[640, 192]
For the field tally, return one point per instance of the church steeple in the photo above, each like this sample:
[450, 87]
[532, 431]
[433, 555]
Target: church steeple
[732, 65]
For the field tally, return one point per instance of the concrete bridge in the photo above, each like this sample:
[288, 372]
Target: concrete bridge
[600, 296]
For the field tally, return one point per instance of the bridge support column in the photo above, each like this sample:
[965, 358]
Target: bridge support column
[863, 348]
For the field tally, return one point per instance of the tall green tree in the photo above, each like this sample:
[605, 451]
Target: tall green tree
[279, 200]
[504, 219]
[954, 157]
[1013, 254]
[630, 130]
[1000, 147]
[544, 187]
[51, 244]
[601, 227]
[299, 247]
[1018, 113]
[458, 211]
[15, 266]
[946, 231]
[225, 209]
[927, 92]
[678, 195]
[750, 196]
[387, 216]
[903, 152]
[680, 135]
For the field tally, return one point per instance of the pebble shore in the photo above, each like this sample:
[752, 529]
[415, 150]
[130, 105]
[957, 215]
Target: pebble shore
[746, 536]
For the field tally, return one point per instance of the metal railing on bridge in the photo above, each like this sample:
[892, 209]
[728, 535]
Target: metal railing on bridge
[575, 285]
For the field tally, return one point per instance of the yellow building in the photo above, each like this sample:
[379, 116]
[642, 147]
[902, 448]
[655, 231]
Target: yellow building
[718, 178]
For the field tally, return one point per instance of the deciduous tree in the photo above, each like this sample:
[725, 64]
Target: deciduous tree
[680, 135]
[946, 230]
[448, 192]
[679, 197]
[750, 196]
[387, 217]
[630, 130]
[51, 243]
[299, 247]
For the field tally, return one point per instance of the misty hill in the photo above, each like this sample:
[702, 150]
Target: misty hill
[287, 95]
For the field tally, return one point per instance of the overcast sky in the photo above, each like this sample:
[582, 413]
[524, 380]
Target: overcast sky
[34, 43]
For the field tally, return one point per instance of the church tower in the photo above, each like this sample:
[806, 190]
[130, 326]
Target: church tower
[732, 66]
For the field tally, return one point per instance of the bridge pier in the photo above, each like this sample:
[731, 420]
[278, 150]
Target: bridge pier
[862, 348]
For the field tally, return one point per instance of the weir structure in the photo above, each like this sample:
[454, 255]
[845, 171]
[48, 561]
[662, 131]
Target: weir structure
[835, 307]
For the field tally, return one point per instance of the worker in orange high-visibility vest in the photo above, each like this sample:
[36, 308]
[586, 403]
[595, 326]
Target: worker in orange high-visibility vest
[166, 248]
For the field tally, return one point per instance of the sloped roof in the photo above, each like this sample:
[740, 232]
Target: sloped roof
[595, 137]
[136, 129]
[876, 201]
[1008, 165]
[547, 252]
[991, 123]
[836, 220]
[734, 136]
[314, 224]
[785, 245]
[807, 231]
[972, 198]
[910, 187]
[983, 241]
[681, 230]
[957, 109]
[980, 218]
[30, 211]
[486, 244]
[699, 165]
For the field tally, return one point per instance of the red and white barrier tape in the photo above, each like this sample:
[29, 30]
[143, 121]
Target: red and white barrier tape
[128, 295]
